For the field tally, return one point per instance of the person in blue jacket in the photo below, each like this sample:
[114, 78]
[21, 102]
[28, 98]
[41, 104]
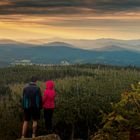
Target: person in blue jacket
[32, 104]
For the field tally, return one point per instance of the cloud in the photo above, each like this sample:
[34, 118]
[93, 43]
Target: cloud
[68, 7]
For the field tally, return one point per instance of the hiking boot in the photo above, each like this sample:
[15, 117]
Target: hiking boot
[33, 135]
[22, 137]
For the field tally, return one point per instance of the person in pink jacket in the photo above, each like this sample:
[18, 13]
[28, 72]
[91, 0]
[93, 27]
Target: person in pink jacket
[49, 104]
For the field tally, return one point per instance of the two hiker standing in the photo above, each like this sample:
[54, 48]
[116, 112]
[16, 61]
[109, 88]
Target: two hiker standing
[33, 103]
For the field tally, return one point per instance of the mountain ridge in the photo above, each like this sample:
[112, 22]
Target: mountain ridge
[63, 52]
[81, 43]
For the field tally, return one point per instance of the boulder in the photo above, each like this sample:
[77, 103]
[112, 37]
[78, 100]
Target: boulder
[47, 137]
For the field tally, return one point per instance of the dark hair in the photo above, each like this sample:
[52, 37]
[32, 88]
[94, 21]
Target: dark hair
[33, 79]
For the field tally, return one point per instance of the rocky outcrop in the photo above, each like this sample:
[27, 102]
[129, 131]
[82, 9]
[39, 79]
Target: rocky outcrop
[47, 137]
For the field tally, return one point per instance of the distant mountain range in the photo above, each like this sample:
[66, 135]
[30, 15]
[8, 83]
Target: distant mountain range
[104, 51]
[94, 44]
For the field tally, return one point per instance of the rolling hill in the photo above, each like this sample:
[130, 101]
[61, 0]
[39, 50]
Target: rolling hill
[56, 52]
[94, 44]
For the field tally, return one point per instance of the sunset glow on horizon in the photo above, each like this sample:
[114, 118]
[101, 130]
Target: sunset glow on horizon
[25, 20]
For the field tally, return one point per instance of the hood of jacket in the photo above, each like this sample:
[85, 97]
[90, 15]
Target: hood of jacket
[50, 85]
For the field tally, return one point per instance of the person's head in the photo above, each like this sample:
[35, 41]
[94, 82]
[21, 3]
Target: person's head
[50, 84]
[33, 79]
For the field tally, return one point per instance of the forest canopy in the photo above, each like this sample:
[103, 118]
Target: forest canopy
[87, 94]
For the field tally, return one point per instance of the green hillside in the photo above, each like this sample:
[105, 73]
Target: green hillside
[86, 94]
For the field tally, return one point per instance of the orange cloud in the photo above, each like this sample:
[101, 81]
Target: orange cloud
[5, 3]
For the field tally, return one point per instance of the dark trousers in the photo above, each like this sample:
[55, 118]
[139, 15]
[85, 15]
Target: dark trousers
[48, 114]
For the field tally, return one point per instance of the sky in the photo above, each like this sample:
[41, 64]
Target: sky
[25, 20]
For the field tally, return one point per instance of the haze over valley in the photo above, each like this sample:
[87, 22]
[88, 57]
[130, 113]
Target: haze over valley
[103, 51]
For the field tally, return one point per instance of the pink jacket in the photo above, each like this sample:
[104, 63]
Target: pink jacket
[49, 95]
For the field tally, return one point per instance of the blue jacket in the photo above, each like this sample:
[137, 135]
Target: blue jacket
[32, 96]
